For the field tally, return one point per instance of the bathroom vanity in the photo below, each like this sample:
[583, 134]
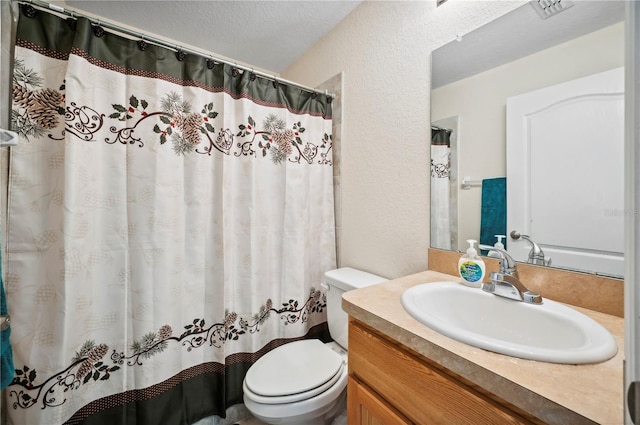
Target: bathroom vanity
[402, 372]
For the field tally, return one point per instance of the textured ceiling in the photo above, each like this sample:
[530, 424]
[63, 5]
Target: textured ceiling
[267, 35]
[518, 34]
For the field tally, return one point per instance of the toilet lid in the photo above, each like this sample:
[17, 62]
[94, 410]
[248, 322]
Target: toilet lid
[293, 368]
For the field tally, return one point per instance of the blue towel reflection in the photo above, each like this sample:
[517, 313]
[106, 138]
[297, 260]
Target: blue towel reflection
[493, 210]
[6, 353]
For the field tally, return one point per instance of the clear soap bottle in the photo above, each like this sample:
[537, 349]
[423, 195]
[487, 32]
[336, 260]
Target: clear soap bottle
[498, 245]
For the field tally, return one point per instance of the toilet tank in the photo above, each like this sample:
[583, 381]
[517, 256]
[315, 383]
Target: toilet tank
[338, 282]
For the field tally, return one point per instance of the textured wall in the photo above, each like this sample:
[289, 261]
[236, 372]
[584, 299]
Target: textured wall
[383, 48]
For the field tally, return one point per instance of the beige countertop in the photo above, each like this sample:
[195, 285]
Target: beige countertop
[555, 393]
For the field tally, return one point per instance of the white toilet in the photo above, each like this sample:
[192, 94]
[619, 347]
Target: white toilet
[304, 382]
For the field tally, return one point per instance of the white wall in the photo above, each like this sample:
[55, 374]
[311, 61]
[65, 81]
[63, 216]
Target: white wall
[480, 103]
[383, 48]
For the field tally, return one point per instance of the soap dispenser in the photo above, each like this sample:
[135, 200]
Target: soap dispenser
[499, 245]
[471, 267]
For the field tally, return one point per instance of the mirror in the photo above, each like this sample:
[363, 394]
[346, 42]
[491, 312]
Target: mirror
[473, 79]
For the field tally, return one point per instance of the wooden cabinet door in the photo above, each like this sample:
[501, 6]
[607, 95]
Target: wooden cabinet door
[417, 390]
[364, 407]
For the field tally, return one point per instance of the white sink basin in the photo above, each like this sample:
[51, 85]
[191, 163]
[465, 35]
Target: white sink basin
[551, 332]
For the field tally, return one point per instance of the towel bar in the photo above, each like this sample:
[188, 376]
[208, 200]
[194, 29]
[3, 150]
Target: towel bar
[467, 183]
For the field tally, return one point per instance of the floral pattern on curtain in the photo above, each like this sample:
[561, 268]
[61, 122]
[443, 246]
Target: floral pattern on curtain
[170, 221]
[440, 190]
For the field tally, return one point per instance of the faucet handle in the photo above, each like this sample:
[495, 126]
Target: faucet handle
[536, 254]
[507, 263]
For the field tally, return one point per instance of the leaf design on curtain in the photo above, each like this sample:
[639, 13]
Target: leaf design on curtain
[176, 121]
[440, 170]
[87, 365]
[38, 110]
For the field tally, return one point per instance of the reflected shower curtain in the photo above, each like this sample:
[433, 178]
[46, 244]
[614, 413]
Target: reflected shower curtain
[170, 221]
[440, 190]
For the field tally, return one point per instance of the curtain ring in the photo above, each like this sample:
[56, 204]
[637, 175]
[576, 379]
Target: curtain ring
[142, 45]
[253, 75]
[210, 63]
[235, 71]
[275, 82]
[98, 31]
[29, 11]
[180, 55]
[73, 23]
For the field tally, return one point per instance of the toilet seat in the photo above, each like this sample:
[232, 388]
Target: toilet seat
[311, 366]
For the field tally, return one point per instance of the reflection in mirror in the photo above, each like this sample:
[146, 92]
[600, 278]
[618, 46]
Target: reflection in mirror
[444, 183]
[520, 55]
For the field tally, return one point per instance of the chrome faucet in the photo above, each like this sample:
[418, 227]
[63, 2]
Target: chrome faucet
[536, 255]
[506, 283]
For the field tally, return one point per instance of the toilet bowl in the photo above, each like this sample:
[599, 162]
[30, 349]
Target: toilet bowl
[304, 382]
[310, 390]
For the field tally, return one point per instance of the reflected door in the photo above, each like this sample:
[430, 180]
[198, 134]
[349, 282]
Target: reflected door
[571, 138]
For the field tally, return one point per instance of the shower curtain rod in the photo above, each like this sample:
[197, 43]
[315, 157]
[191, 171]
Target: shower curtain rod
[164, 43]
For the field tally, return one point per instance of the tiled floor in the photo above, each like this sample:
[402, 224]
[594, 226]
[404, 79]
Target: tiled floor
[252, 421]
[340, 420]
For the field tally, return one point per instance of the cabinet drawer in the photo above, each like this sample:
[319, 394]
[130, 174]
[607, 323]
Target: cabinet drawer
[424, 394]
[365, 407]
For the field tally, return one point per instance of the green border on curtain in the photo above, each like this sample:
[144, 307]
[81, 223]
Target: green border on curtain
[121, 54]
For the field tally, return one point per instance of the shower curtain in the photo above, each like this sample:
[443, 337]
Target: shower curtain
[440, 190]
[170, 221]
